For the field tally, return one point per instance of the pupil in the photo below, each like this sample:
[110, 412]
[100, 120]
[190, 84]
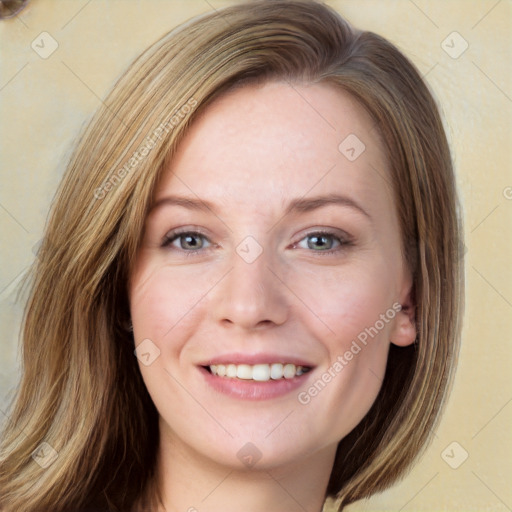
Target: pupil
[320, 242]
[191, 241]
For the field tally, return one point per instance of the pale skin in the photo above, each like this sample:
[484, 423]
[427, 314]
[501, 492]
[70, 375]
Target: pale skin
[249, 155]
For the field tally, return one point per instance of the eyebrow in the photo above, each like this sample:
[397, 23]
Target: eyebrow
[299, 205]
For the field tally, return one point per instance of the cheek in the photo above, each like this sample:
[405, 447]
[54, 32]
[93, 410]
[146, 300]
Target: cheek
[348, 300]
[165, 305]
[165, 309]
[352, 316]
[165, 298]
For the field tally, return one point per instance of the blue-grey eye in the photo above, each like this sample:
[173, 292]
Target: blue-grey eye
[320, 242]
[189, 241]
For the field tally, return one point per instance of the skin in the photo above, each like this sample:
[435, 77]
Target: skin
[250, 153]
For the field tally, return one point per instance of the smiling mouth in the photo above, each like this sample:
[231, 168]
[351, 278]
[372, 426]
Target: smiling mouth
[257, 372]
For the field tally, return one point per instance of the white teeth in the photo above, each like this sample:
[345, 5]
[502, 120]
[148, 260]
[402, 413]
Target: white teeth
[244, 371]
[276, 371]
[261, 372]
[289, 371]
[258, 372]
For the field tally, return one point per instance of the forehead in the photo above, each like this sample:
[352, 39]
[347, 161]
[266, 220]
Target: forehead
[262, 142]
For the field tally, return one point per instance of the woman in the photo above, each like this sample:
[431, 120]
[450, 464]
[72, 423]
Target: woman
[249, 292]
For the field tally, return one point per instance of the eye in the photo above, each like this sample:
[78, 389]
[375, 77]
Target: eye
[321, 241]
[186, 241]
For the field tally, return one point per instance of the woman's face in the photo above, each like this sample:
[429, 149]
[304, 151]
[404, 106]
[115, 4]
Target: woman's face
[272, 252]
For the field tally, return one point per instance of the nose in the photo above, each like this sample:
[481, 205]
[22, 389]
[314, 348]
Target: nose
[250, 296]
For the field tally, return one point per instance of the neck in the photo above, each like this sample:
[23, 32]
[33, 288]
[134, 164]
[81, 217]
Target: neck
[190, 481]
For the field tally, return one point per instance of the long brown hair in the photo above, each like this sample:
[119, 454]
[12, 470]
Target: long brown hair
[81, 397]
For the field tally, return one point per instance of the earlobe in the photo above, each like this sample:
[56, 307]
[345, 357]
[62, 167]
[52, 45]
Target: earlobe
[404, 332]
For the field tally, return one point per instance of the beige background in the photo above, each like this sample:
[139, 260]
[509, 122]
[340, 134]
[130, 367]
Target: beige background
[45, 101]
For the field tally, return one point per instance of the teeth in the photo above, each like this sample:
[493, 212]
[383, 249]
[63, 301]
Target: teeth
[261, 372]
[276, 371]
[244, 371]
[258, 372]
[289, 371]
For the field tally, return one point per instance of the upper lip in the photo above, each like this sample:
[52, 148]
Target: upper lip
[260, 358]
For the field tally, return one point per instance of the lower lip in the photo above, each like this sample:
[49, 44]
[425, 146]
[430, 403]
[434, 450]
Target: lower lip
[251, 389]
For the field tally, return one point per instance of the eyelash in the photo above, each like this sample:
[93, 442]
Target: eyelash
[344, 241]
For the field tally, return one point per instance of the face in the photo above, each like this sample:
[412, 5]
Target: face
[267, 287]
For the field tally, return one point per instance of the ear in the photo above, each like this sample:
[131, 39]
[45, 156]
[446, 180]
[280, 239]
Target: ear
[404, 331]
